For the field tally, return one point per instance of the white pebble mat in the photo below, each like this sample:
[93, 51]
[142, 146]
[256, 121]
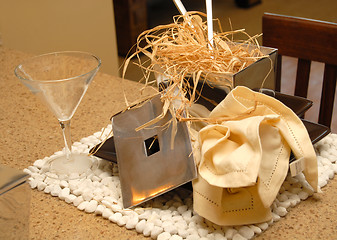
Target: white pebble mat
[169, 216]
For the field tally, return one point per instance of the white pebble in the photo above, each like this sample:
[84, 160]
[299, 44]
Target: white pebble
[296, 198]
[197, 219]
[295, 190]
[285, 204]
[78, 191]
[77, 144]
[182, 209]
[237, 236]
[98, 197]
[187, 215]
[147, 229]
[33, 169]
[104, 175]
[87, 194]
[193, 237]
[38, 177]
[192, 231]
[172, 229]
[48, 189]
[26, 170]
[157, 222]
[216, 236]
[331, 173]
[99, 210]
[334, 167]
[73, 184]
[116, 208]
[107, 203]
[153, 217]
[132, 221]
[91, 207]
[256, 229]
[145, 215]
[182, 232]
[275, 217]
[107, 181]
[164, 236]
[51, 181]
[115, 217]
[33, 183]
[78, 201]
[70, 198]
[303, 195]
[176, 237]
[164, 212]
[83, 205]
[202, 232]
[97, 134]
[39, 163]
[41, 186]
[122, 221]
[326, 161]
[64, 184]
[64, 193]
[95, 178]
[156, 231]
[166, 217]
[98, 171]
[281, 211]
[263, 226]
[293, 202]
[55, 191]
[107, 213]
[110, 199]
[167, 223]
[230, 233]
[140, 226]
[246, 232]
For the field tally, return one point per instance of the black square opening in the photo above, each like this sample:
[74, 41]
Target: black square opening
[152, 145]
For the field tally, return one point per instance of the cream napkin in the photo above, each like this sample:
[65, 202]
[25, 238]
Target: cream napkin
[245, 157]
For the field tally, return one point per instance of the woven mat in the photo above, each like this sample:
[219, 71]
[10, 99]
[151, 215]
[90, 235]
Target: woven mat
[171, 215]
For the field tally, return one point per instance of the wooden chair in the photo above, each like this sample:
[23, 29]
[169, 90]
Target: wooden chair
[308, 40]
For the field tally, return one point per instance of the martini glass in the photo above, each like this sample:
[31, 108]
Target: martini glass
[60, 81]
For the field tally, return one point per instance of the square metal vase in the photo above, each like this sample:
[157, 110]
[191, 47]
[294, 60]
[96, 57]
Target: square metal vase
[259, 74]
[148, 165]
[262, 71]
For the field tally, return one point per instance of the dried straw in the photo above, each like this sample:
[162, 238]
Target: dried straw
[181, 52]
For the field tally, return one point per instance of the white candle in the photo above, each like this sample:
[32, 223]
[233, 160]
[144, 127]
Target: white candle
[180, 7]
[209, 22]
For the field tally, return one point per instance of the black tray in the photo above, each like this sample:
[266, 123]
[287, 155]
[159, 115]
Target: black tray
[298, 105]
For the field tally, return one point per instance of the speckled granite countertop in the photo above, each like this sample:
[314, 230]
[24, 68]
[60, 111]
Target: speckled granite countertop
[29, 132]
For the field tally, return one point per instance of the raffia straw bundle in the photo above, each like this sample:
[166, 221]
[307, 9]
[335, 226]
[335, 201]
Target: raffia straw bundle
[181, 51]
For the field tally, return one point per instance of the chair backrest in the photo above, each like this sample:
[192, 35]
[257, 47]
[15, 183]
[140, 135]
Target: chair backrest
[308, 40]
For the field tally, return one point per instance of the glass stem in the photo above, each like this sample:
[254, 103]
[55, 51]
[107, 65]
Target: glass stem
[65, 125]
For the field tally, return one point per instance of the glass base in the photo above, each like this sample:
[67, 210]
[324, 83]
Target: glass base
[72, 168]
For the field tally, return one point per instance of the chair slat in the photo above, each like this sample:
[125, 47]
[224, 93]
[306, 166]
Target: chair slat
[328, 94]
[302, 38]
[302, 78]
[308, 40]
[278, 73]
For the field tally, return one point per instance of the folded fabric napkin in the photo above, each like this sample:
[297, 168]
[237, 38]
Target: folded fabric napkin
[244, 157]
